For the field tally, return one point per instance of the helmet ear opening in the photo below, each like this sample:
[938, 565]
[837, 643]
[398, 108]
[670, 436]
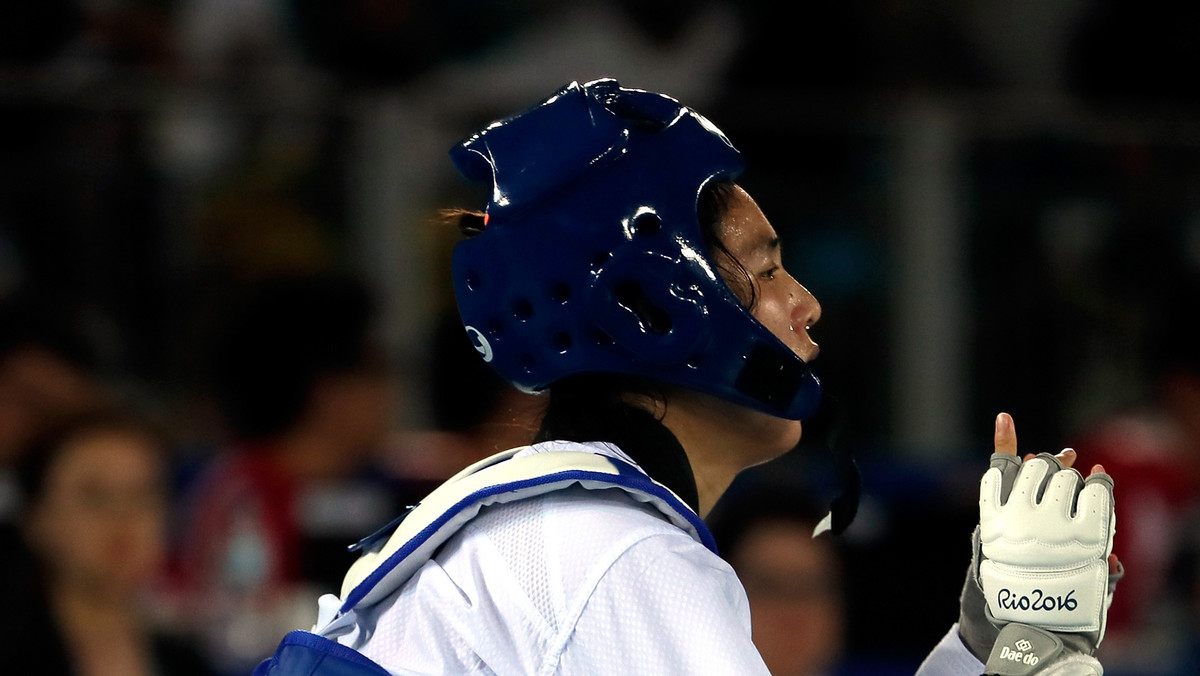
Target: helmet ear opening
[653, 319]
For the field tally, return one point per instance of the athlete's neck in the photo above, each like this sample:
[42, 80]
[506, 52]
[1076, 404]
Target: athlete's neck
[721, 439]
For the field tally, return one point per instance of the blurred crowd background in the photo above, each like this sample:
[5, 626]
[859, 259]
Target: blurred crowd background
[228, 348]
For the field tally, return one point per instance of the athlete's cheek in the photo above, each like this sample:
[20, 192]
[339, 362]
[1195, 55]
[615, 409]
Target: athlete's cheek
[775, 316]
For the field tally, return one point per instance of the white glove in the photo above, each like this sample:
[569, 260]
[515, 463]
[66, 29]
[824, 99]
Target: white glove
[1046, 547]
[1045, 536]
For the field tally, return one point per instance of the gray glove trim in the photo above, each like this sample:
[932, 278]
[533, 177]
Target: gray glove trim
[1021, 650]
[977, 632]
[1010, 467]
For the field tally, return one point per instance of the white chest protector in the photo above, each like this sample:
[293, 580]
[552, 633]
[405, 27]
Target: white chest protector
[396, 552]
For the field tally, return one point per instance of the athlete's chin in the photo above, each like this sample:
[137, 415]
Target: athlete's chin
[777, 436]
[790, 436]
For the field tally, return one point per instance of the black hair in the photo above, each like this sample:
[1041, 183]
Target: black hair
[585, 406]
[282, 338]
[714, 202]
[463, 389]
[30, 321]
[42, 453]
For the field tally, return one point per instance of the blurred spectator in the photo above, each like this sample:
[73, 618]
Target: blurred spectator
[308, 400]
[1154, 451]
[46, 374]
[93, 526]
[793, 580]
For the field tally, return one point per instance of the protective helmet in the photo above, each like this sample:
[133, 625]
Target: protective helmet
[592, 259]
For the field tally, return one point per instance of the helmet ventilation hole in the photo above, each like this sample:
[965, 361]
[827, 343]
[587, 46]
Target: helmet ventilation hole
[646, 225]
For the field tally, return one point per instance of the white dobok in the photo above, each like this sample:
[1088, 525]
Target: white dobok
[583, 578]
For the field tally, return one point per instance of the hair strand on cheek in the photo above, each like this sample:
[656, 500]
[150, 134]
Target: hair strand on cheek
[713, 207]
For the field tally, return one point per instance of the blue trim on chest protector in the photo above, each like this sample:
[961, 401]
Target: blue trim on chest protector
[303, 653]
[628, 477]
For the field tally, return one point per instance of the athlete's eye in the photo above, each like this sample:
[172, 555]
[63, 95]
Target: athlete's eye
[770, 273]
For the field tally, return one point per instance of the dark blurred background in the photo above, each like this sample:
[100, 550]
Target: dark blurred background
[997, 203]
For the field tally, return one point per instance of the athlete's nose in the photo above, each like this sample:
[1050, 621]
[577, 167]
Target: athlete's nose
[806, 312]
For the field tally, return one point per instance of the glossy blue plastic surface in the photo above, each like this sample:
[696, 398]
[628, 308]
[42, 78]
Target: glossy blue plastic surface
[592, 259]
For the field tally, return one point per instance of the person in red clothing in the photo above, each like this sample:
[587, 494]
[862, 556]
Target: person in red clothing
[308, 401]
[1155, 449]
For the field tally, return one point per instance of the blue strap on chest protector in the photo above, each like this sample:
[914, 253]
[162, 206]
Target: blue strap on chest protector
[303, 653]
[439, 525]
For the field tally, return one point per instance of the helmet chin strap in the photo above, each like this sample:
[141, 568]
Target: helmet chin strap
[828, 423]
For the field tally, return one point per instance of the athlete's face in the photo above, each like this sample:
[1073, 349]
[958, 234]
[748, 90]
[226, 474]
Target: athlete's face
[785, 307]
[780, 302]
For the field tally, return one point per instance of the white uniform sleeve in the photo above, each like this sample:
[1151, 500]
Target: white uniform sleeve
[665, 606]
[950, 658]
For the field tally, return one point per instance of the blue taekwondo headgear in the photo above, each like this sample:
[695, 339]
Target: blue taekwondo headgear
[592, 258]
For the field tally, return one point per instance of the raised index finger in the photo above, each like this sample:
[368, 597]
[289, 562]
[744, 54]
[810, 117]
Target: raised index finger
[1004, 460]
[1005, 436]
